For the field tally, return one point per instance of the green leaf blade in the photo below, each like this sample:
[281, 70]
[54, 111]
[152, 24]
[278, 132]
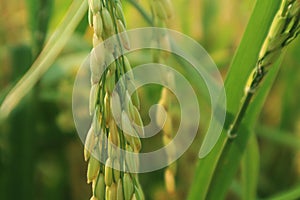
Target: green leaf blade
[213, 178]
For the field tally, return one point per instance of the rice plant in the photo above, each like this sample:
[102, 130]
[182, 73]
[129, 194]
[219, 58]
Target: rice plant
[44, 46]
[111, 181]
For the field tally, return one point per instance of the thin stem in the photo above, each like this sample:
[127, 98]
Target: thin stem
[288, 195]
[142, 11]
[283, 30]
[232, 132]
[279, 137]
[50, 52]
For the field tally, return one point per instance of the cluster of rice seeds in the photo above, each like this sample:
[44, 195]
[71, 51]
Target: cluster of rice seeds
[167, 101]
[106, 18]
[284, 29]
[162, 11]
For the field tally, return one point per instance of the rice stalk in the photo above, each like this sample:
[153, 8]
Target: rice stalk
[284, 29]
[297, 156]
[43, 62]
[112, 179]
[162, 11]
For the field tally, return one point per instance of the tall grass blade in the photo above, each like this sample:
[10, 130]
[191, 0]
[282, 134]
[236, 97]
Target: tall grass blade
[250, 169]
[205, 186]
[52, 49]
[288, 195]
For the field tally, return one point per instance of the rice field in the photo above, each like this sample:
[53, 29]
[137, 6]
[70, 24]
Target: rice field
[48, 47]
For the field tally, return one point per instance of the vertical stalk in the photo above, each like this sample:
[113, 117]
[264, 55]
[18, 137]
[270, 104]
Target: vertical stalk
[209, 178]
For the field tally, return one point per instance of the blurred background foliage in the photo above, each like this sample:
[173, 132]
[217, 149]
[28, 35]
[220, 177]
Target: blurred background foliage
[41, 156]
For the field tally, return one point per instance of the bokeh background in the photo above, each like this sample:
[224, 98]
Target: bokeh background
[41, 155]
